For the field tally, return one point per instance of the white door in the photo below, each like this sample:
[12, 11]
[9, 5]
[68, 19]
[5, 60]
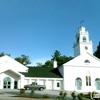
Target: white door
[7, 83]
[57, 85]
[33, 80]
[41, 82]
[49, 85]
[97, 83]
[26, 82]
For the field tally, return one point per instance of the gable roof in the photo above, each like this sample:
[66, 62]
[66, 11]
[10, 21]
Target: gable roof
[80, 60]
[12, 71]
[7, 62]
[43, 72]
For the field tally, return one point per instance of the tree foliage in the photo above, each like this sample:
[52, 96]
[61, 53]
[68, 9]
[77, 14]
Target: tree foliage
[23, 60]
[97, 52]
[39, 64]
[3, 54]
[48, 63]
[56, 55]
[61, 59]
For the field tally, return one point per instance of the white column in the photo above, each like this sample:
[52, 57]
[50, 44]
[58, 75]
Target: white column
[19, 84]
[54, 84]
[30, 81]
[62, 86]
[37, 81]
[83, 85]
[94, 84]
[46, 83]
[1, 84]
[22, 82]
[12, 84]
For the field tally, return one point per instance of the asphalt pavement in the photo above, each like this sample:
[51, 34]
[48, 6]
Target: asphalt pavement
[11, 93]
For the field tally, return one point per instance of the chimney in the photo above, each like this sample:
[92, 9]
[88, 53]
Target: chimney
[54, 64]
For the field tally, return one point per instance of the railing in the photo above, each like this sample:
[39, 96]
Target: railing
[90, 42]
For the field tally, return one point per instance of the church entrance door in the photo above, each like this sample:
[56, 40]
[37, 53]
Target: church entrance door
[78, 83]
[97, 82]
[7, 83]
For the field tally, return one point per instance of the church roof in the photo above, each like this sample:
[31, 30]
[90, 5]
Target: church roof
[43, 72]
[86, 60]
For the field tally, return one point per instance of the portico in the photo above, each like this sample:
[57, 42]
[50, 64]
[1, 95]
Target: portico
[10, 79]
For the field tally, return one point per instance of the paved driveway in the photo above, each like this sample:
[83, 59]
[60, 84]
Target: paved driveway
[13, 92]
[6, 93]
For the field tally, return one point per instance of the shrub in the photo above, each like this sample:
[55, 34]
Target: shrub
[32, 93]
[93, 94]
[87, 96]
[62, 95]
[22, 92]
[80, 96]
[73, 95]
[89, 93]
[58, 98]
[45, 96]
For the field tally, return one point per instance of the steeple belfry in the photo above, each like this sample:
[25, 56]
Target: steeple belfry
[82, 44]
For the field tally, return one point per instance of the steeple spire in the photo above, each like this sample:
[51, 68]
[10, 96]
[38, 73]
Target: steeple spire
[82, 44]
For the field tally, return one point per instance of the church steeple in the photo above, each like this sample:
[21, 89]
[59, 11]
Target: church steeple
[83, 44]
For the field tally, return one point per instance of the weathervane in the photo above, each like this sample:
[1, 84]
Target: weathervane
[81, 22]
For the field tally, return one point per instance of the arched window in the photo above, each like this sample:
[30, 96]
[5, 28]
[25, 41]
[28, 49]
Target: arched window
[97, 83]
[7, 82]
[84, 39]
[7, 79]
[86, 61]
[78, 83]
[88, 79]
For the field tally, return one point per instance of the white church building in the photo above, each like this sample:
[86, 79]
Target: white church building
[80, 74]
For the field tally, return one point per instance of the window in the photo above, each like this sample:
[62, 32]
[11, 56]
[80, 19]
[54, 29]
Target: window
[97, 83]
[78, 79]
[78, 83]
[58, 85]
[84, 39]
[88, 79]
[86, 61]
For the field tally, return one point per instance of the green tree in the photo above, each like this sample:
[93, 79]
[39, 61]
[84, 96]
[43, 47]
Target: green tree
[56, 55]
[63, 59]
[39, 64]
[3, 54]
[48, 63]
[59, 58]
[23, 60]
[97, 52]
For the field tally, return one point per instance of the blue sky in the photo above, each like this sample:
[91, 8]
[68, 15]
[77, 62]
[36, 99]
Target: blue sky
[39, 27]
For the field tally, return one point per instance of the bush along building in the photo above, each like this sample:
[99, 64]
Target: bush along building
[80, 74]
